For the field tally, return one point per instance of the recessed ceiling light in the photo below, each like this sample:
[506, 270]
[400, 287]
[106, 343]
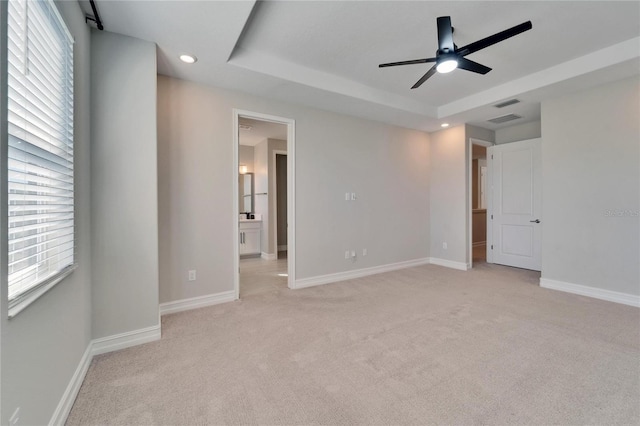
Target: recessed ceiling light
[189, 59]
[444, 125]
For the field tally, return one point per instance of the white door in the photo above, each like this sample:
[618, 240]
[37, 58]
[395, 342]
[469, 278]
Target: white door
[516, 197]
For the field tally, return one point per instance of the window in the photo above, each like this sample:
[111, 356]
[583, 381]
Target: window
[40, 154]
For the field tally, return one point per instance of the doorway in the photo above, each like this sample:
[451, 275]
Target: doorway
[263, 147]
[477, 202]
[280, 188]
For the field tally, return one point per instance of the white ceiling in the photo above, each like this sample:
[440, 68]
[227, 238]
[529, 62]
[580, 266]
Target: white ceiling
[326, 53]
[260, 130]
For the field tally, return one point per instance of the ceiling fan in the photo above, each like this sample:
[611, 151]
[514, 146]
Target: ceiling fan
[449, 56]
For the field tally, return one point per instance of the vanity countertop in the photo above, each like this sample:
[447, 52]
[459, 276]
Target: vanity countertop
[250, 220]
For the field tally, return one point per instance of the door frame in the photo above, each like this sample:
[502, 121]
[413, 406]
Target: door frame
[291, 215]
[470, 143]
[274, 189]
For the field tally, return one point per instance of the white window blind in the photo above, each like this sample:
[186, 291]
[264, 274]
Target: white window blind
[40, 157]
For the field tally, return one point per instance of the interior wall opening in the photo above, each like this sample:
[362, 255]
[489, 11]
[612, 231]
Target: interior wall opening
[263, 208]
[478, 199]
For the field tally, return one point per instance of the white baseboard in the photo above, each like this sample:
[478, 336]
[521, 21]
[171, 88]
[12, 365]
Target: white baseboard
[97, 347]
[269, 256]
[282, 247]
[197, 302]
[125, 340]
[596, 293]
[69, 396]
[449, 263]
[348, 275]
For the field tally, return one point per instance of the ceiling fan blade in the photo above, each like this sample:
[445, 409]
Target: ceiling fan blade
[469, 65]
[493, 39]
[415, 61]
[445, 34]
[425, 77]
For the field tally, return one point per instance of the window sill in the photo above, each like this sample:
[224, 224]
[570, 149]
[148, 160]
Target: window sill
[39, 291]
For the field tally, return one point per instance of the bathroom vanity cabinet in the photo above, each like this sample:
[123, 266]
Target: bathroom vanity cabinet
[250, 241]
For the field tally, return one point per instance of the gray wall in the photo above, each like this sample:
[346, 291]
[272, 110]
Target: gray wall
[42, 346]
[450, 192]
[261, 162]
[448, 175]
[265, 204]
[124, 184]
[274, 145]
[519, 132]
[590, 158]
[245, 156]
[479, 133]
[334, 154]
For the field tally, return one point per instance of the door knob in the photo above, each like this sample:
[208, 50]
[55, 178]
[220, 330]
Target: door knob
[535, 221]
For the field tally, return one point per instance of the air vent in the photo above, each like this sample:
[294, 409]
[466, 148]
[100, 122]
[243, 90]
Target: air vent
[504, 118]
[244, 127]
[507, 103]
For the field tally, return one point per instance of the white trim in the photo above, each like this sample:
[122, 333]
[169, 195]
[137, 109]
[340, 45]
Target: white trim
[69, 396]
[596, 293]
[236, 207]
[197, 302]
[489, 194]
[358, 273]
[291, 190]
[125, 340]
[449, 264]
[37, 291]
[269, 256]
[469, 212]
[98, 347]
[291, 203]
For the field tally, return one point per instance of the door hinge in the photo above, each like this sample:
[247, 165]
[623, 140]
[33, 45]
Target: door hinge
[491, 246]
[491, 217]
[492, 156]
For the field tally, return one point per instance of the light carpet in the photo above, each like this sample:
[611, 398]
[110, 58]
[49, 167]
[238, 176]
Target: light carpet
[426, 345]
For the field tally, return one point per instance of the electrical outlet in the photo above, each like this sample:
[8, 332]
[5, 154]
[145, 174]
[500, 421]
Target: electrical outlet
[347, 254]
[13, 421]
[354, 256]
[444, 246]
[364, 252]
[192, 275]
[353, 196]
[347, 196]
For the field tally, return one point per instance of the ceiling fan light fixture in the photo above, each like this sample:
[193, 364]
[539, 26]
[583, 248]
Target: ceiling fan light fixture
[447, 65]
[449, 56]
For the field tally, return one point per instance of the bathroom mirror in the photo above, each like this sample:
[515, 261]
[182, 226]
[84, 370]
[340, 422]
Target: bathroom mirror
[246, 193]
